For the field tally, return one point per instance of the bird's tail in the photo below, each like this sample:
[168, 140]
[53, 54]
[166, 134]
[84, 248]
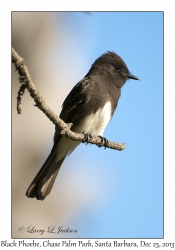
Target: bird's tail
[45, 178]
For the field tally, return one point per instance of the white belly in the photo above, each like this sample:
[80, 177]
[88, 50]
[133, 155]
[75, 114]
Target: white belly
[94, 124]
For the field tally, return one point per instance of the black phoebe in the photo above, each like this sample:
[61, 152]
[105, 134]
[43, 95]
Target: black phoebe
[89, 106]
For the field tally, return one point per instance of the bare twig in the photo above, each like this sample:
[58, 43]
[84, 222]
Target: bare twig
[19, 97]
[26, 81]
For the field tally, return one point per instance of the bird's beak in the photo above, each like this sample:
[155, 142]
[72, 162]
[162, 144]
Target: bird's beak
[132, 77]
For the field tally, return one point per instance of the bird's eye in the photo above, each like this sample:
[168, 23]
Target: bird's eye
[117, 68]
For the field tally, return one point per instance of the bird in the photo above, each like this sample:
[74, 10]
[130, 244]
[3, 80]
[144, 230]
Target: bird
[89, 106]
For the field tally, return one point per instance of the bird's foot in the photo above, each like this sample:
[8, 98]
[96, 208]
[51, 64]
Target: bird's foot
[87, 137]
[104, 140]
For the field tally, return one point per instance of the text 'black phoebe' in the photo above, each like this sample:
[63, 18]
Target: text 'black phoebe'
[89, 106]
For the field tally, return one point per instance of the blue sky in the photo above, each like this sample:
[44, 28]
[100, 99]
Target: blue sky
[131, 205]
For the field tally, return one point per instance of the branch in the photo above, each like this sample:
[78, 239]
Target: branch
[26, 81]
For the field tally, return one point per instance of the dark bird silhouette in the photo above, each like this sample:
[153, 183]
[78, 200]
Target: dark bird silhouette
[89, 106]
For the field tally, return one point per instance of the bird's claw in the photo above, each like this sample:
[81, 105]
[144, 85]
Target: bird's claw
[104, 140]
[87, 137]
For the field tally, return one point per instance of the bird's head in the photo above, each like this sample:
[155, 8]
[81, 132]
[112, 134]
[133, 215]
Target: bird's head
[111, 64]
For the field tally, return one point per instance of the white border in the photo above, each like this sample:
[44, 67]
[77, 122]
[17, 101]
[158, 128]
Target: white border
[169, 95]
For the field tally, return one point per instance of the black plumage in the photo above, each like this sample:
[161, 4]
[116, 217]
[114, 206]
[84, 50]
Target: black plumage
[89, 106]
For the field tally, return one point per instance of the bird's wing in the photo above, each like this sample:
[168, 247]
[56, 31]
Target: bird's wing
[75, 99]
